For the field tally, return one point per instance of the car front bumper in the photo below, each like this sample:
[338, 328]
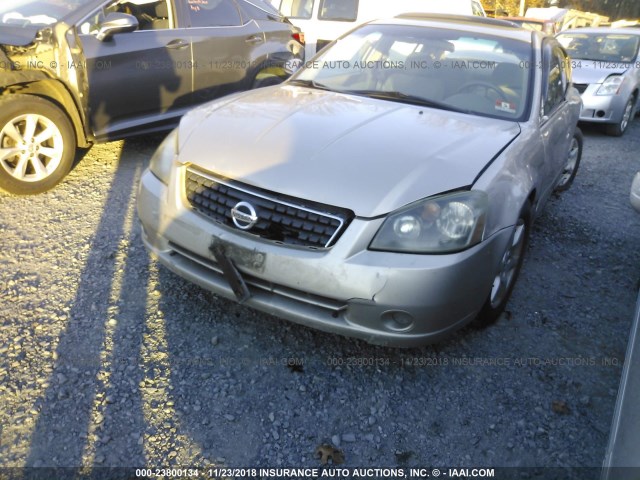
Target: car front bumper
[383, 298]
[601, 108]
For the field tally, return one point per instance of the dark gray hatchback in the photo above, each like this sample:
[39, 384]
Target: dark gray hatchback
[75, 72]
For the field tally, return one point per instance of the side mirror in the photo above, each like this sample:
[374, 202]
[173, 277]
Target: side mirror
[116, 22]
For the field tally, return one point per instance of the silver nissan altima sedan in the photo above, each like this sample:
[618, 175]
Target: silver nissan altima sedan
[385, 192]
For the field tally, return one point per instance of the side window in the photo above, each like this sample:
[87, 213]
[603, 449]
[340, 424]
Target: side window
[338, 10]
[556, 83]
[565, 67]
[213, 13]
[154, 15]
[297, 8]
[476, 8]
[263, 12]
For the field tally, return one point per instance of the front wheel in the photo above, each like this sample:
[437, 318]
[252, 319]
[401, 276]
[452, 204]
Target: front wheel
[508, 271]
[37, 144]
[618, 129]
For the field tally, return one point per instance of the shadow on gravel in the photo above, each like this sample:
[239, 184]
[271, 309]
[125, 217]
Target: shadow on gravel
[80, 154]
[270, 391]
[97, 352]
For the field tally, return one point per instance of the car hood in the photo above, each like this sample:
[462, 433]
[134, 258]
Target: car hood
[370, 156]
[17, 36]
[587, 71]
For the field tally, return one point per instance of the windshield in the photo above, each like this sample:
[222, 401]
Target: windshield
[441, 68]
[26, 13]
[605, 47]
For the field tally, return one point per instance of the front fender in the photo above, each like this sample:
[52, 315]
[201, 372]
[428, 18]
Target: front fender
[511, 180]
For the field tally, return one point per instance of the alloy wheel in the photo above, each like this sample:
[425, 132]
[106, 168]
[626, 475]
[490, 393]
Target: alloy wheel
[31, 147]
[509, 265]
[626, 116]
[572, 163]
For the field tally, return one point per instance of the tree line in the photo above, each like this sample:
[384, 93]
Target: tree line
[614, 9]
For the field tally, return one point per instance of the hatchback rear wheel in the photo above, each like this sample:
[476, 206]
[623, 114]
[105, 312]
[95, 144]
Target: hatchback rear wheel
[37, 144]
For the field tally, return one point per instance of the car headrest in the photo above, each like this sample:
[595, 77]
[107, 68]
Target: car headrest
[161, 10]
[508, 74]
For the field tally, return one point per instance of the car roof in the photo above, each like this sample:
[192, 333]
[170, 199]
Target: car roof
[467, 23]
[527, 19]
[603, 30]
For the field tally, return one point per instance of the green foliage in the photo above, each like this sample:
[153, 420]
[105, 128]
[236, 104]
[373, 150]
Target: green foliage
[615, 9]
[512, 7]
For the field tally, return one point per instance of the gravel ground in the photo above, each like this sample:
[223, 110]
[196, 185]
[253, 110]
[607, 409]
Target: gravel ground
[108, 359]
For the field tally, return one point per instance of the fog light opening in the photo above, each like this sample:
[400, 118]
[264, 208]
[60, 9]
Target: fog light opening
[600, 113]
[397, 320]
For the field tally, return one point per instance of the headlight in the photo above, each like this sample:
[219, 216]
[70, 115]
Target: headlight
[611, 86]
[162, 159]
[442, 224]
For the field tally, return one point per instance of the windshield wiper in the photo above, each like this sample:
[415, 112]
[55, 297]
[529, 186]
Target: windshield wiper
[396, 96]
[309, 83]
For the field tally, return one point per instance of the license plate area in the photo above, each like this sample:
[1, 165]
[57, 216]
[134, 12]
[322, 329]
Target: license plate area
[229, 257]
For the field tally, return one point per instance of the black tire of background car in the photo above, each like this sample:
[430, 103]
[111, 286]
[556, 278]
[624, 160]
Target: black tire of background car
[265, 75]
[563, 186]
[618, 129]
[489, 314]
[266, 81]
[12, 106]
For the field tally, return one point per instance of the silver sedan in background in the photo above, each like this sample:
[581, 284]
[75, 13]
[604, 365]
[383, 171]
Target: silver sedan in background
[606, 71]
[385, 192]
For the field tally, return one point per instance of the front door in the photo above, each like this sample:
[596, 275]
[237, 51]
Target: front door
[138, 77]
[222, 47]
[556, 128]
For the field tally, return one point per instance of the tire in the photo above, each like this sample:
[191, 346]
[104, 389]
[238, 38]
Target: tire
[572, 164]
[618, 129]
[37, 144]
[266, 80]
[266, 74]
[509, 269]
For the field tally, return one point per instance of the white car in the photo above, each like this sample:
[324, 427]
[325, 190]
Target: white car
[634, 195]
[622, 457]
[322, 21]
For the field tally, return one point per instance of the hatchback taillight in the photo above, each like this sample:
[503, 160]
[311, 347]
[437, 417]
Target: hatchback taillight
[298, 37]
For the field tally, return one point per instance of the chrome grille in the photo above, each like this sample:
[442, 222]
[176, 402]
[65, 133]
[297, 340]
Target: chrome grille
[280, 219]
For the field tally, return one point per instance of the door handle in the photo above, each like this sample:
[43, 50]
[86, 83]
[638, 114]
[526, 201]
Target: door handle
[253, 39]
[177, 44]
